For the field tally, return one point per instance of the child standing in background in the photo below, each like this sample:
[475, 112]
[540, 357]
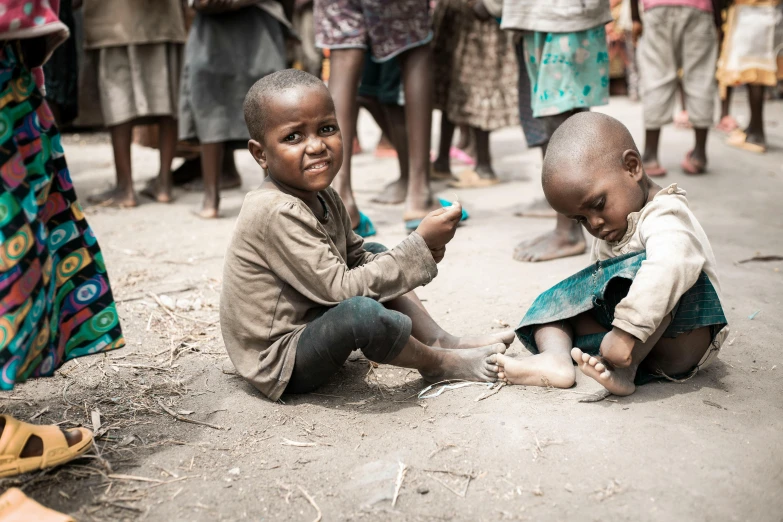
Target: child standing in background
[476, 72]
[678, 34]
[134, 51]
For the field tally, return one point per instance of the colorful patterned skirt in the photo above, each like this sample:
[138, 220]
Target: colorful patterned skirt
[55, 300]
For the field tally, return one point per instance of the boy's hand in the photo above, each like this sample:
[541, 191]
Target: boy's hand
[616, 348]
[438, 254]
[439, 226]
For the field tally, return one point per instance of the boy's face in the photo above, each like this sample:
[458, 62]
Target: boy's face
[601, 197]
[302, 147]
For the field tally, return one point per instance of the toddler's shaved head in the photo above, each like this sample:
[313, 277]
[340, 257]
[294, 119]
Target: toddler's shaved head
[586, 144]
[255, 105]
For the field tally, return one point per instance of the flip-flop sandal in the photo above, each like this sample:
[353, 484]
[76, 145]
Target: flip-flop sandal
[412, 224]
[655, 172]
[55, 447]
[16, 507]
[461, 156]
[471, 179]
[365, 228]
[727, 124]
[740, 140]
[689, 167]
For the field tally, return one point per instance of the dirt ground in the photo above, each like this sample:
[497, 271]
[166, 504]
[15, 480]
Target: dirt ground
[706, 449]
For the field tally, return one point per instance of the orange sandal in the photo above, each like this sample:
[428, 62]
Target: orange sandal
[55, 447]
[16, 507]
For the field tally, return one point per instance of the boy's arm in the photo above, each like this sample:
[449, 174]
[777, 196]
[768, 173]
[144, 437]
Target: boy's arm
[674, 261]
[301, 255]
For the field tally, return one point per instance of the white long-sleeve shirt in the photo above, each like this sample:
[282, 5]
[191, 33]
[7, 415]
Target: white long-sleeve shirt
[677, 252]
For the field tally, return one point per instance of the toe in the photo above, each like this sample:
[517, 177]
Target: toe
[576, 354]
[592, 361]
[605, 375]
[600, 367]
[586, 358]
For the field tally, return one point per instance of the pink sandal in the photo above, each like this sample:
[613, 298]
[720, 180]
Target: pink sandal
[461, 156]
[690, 167]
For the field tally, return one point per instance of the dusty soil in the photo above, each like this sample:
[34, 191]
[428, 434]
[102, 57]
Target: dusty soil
[706, 449]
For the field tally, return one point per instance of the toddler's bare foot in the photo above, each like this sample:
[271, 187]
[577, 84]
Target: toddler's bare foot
[544, 369]
[552, 245]
[476, 341]
[114, 197]
[617, 381]
[155, 192]
[474, 364]
[393, 193]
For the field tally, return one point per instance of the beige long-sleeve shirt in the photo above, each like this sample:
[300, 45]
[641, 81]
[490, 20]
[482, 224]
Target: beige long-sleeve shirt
[284, 266]
[677, 252]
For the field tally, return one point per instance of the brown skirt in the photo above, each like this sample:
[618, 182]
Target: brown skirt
[475, 68]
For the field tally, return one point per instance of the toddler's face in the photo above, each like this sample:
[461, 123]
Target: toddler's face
[601, 201]
[302, 147]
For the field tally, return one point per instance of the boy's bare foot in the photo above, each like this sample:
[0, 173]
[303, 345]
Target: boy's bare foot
[114, 197]
[475, 341]
[153, 191]
[543, 369]
[654, 169]
[394, 193]
[207, 213]
[538, 208]
[474, 364]
[551, 245]
[617, 381]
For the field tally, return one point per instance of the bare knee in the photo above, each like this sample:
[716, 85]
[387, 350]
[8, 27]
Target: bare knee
[681, 354]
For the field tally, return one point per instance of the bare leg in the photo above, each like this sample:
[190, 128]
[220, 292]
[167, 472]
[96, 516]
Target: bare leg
[160, 188]
[727, 122]
[418, 84]
[211, 163]
[483, 158]
[443, 161]
[346, 69]
[650, 156]
[436, 364]
[123, 194]
[429, 332]
[755, 130]
[539, 207]
[699, 154]
[567, 239]
[391, 120]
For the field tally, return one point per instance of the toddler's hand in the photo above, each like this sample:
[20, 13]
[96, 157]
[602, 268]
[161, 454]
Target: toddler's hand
[616, 348]
[439, 226]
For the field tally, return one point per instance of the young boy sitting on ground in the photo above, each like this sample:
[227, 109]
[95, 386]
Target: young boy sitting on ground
[650, 306]
[300, 289]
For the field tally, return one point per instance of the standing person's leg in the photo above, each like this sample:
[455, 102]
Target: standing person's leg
[417, 83]
[755, 130]
[443, 161]
[727, 122]
[699, 54]
[391, 120]
[345, 71]
[211, 165]
[167, 128]
[123, 194]
[658, 73]
[567, 239]
[483, 157]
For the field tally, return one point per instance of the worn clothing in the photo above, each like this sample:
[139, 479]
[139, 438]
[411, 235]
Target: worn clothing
[134, 81]
[109, 23]
[56, 303]
[567, 71]
[555, 16]
[534, 129]
[752, 48]
[382, 81]
[387, 28]
[475, 68]
[358, 323]
[677, 252]
[285, 267]
[218, 72]
[600, 288]
[678, 38]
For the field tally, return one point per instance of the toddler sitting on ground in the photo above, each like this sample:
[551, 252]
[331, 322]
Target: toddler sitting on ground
[650, 306]
[301, 290]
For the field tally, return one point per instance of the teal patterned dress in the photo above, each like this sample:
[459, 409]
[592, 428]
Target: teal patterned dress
[55, 300]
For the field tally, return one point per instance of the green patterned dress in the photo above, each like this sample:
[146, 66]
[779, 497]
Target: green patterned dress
[55, 300]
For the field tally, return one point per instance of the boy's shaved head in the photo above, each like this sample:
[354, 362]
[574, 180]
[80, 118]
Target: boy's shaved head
[587, 142]
[255, 106]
